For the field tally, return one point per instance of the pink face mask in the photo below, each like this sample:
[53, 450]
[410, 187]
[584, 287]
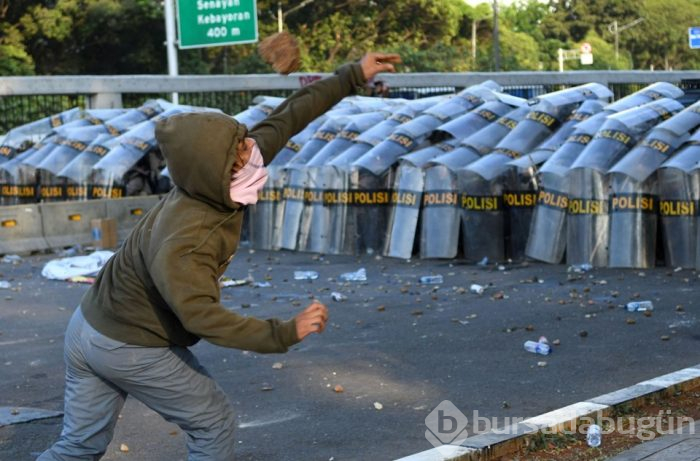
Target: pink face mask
[246, 183]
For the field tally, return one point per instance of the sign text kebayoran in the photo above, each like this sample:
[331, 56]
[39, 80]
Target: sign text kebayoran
[216, 22]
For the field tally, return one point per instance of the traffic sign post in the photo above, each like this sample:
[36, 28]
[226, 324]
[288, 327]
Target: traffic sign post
[694, 37]
[204, 23]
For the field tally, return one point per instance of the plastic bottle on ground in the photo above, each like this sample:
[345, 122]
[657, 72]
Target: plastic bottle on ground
[593, 436]
[537, 347]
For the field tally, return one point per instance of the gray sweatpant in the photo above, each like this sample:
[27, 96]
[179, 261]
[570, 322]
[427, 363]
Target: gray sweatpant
[101, 372]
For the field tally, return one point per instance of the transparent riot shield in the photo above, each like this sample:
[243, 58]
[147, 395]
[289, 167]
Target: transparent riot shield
[521, 184]
[588, 219]
[21, 138]
[371, 195]
[354, 127]
[16, 186]
[441, 223]
[466, 125]
[262, 217]
[547, 234]
[653, 92]
[294, 194]
[74, 143]
[293, 197]
[341, 209]
[634, 200]
[78, 172]
[486, 178]
[679, 196]
[413, 134]
[314, 230]
[407, 194]
[264, 105]
[25, 173]
[116, 174]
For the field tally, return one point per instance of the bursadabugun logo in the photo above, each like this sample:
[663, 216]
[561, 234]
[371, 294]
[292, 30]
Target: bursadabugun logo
[446, 425]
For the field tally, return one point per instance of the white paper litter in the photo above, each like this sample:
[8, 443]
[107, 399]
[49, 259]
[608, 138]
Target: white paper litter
[65, 268]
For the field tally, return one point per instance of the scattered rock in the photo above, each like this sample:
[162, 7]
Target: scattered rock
[378, 406]
[277, 365]
[124, 448]
[338, 389]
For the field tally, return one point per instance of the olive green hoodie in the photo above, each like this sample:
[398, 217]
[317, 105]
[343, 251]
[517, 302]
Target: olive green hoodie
[161, 287]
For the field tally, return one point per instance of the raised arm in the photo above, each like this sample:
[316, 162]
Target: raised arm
[310, 102]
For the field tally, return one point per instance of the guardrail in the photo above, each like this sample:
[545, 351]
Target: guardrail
[233, 93]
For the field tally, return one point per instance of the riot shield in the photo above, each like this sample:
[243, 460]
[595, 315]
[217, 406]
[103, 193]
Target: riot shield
[634, 200]
[263, 216]
[406, 196]
[547, 234]
[484, 223]
[679, 196]
[588, 220]
[412, 135]
[16, 186]
[521, 186]
[110, 172]
[19, 139]
[342, 210]
[293, 197]
[653, 92]
[264, 105]
[88, 118]
[78, 172]
[314, 231]
[296, 142]
[75, 142]
[466, 125]
[440, 226]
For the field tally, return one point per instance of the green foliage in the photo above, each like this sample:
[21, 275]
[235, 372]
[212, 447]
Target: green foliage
[49, 37]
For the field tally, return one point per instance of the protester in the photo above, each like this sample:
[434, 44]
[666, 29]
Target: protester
[159, 294]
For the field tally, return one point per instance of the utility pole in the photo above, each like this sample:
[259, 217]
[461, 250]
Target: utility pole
[281, 16]
[170, 41]
[496, 45]
[615, 29]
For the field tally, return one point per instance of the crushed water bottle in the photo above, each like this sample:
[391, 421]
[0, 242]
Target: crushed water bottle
[305, 275]
[537, 347]
[338, 297]
[358, 276]
[580, 268]
[431, 279]
[593, 436]
[640, 306]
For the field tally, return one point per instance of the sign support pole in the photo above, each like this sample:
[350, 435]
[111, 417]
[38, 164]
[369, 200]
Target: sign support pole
[170, 42]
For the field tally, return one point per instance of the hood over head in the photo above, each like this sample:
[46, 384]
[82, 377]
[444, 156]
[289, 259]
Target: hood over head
[200, 149]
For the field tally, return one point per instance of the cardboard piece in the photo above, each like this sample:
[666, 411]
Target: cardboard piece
[104, 232]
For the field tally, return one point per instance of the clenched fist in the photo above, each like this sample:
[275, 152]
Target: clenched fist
[311, 320]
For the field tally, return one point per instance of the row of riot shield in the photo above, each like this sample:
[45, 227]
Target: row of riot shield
[87, 154]
[605, 190]
[484, 175]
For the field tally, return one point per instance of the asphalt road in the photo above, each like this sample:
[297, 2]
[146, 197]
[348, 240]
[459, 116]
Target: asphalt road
[393, 342]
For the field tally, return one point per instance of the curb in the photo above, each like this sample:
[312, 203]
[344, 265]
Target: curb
[506, 441]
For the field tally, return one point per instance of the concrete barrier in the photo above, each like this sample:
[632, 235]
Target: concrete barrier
[21, 229]
[68, 223]
[128, 211]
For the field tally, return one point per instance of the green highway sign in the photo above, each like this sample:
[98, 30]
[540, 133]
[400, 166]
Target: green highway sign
[216, 22]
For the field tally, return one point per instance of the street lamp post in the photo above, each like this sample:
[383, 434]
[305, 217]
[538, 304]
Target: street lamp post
[496, 45]
[615, 29]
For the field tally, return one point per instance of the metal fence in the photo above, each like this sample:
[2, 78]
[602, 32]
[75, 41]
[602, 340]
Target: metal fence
[24, 99]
